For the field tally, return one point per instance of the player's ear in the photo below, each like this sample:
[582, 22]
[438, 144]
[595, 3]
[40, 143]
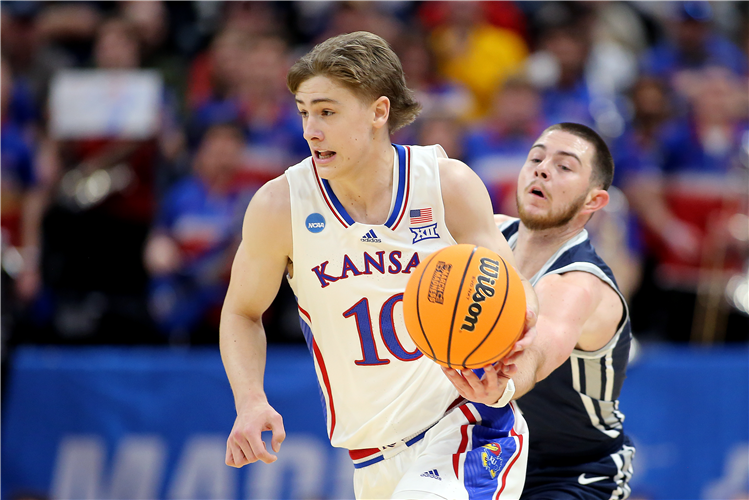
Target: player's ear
[381, 111]
[596, 200]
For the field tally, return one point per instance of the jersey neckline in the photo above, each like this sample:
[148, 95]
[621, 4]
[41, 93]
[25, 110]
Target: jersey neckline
[402, 191]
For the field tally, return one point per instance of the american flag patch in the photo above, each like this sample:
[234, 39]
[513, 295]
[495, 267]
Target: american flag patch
[420, 215]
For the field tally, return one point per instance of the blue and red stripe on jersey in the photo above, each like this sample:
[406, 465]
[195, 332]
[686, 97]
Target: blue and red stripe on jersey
[312, 346]
[401, 198]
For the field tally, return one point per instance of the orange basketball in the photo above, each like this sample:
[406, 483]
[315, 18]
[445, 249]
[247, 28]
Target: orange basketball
[464, 307]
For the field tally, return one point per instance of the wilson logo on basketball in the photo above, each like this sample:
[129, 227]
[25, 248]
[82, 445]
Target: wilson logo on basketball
[439, 280]
[483, 289]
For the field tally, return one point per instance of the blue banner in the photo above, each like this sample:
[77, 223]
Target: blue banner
[145, 423]
[687, 410]
[153, 423]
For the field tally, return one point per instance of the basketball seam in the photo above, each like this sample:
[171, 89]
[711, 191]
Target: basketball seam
[499, 314]
[418, 308]
[455, 309]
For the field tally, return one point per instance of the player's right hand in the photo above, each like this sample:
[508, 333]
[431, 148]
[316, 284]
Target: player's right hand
[507, 364]
[245, 444]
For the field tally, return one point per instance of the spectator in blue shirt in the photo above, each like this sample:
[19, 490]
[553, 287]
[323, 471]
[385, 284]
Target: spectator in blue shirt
[257, 99]
[23, 198]
[497, 147]
[692, 46]
[191, 246]
[687, 199]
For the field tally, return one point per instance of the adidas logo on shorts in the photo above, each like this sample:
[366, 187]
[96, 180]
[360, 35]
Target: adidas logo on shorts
[371, 237]
[433, 474]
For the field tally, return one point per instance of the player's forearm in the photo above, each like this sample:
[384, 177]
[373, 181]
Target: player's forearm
[243, 351]
[550, 349]
[525, 377]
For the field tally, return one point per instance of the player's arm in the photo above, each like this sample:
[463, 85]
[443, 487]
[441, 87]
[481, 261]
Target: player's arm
[500, 219]
[257, 271]
[568, 302]
[469, 218]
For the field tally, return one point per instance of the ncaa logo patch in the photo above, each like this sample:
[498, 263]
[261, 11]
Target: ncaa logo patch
[491, 458]
[424, 233]
[315, 223]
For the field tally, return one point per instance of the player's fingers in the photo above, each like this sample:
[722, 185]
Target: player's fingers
[235, 457]
[490, 380]
[240, 458]
[511, 358]
[509, 369]
[525, 341]
[457, 380]
[472, 379]
[529, 332]
[530, 318]
[260, 451]
[246, 450]
[529, 337]
[279, 434]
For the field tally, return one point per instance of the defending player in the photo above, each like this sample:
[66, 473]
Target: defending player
[579, 358]
[347, 226]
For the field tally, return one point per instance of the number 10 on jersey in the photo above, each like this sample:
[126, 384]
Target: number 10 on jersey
[361, 314]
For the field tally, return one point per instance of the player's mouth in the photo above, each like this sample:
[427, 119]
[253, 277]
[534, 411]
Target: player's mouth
[324, 154]
[537, 191]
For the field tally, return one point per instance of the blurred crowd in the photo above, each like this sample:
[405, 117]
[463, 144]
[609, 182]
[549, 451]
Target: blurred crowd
[111, 236]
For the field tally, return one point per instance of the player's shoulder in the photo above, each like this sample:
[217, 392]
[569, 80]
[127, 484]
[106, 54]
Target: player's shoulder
[274, 194]
[429, 149]
[580, 284]
[460, 185]
[270, 205]
[570, 278]
[454, 171]
[268, 216]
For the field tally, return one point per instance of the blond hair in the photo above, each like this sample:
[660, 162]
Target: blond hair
[364, 63]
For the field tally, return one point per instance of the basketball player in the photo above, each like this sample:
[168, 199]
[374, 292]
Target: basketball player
[347, 226]
[579, 358]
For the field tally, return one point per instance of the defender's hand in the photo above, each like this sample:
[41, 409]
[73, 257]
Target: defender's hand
[245, 444]
[507, 364]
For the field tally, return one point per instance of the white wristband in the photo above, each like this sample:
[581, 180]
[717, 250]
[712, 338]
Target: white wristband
[506, 396]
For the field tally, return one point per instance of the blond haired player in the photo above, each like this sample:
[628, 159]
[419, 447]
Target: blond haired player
[347, 226]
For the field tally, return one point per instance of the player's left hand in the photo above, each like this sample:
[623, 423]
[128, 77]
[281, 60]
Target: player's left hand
[487, 390]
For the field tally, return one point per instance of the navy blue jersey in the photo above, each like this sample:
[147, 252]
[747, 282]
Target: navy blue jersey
[573, 415]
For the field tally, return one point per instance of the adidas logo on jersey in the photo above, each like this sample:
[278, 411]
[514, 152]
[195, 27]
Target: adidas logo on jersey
[371, 237]
[433, 474]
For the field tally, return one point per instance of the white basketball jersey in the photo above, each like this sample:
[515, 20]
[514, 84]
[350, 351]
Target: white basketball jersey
[349, 280]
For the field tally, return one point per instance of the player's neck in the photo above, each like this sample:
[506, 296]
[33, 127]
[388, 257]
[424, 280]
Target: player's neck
[366, 191]
[535, 247]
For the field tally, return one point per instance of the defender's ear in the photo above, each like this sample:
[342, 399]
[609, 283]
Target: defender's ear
[596, 200]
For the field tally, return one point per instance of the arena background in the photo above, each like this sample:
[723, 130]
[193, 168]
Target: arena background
[135, 133]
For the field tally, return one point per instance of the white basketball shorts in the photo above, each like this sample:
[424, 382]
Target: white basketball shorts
[475, 452]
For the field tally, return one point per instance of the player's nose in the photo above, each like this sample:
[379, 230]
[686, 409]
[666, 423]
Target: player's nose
[312, 131]
[541, 170]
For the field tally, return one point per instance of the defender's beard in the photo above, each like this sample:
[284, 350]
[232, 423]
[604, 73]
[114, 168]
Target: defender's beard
[550, 220]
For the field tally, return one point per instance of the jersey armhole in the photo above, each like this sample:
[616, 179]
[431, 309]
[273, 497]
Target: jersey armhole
[437, 149]
[440, 151]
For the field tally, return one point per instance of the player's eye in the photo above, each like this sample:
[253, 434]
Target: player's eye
[303, 114]
[327, 112]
